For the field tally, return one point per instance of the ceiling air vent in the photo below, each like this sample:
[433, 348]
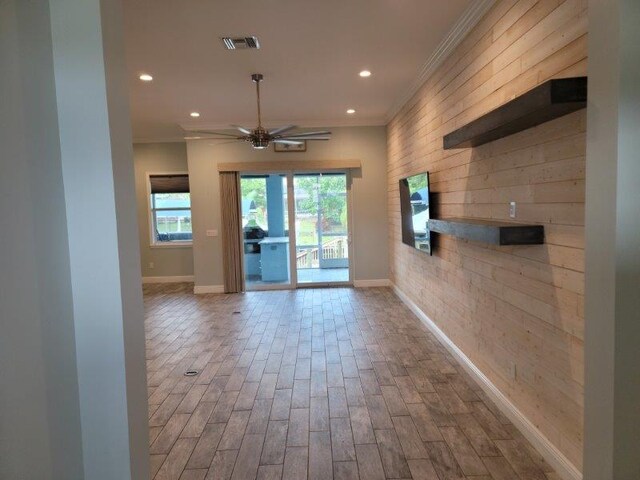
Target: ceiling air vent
[240, 43]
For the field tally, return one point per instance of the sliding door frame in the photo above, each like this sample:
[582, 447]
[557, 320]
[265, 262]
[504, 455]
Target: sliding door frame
[291, 209]
[349, 282]
[292, 277]
[293, 269]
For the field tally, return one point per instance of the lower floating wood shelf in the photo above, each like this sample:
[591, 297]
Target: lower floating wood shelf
[489, 231]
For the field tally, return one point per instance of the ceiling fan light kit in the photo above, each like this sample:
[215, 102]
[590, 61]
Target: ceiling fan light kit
[260, 137]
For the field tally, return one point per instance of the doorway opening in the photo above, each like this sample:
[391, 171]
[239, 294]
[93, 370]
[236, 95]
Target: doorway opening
[322, 227]
[295, 229]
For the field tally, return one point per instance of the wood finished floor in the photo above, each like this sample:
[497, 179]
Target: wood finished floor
[324, 383]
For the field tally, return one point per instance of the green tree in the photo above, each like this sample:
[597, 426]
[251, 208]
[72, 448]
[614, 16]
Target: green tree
[417, 182]
[255, 189]
[331, 191]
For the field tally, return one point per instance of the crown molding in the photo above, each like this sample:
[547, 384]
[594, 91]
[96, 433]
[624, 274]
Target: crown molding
[461, 28]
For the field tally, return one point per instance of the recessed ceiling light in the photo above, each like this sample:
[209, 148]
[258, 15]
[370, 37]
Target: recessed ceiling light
[351, 111]
[365, 73]
[145, 77]
[194, 114]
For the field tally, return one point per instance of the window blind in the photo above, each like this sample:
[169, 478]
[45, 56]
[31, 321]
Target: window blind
[178, 183]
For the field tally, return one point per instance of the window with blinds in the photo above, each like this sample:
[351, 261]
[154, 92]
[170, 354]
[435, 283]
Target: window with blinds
[170, 209]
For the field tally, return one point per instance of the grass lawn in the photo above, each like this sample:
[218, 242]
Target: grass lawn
[306, 231]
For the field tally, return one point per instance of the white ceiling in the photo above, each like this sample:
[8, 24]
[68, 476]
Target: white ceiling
[311, 53]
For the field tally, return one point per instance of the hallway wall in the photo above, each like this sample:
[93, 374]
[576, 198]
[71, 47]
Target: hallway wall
[509, 309]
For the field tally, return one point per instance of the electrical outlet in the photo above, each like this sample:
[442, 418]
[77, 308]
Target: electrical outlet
[212, 233]
[152, 265]
[512, 209]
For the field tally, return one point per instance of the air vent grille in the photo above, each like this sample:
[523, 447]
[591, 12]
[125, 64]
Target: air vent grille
[240, 43]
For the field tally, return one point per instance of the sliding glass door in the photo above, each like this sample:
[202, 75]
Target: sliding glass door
[322, 227]
[265, 231]
[313, 248]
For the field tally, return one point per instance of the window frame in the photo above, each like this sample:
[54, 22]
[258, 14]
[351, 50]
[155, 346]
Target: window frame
[151, 218]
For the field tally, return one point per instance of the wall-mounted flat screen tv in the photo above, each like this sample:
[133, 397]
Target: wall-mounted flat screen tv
[414, 208]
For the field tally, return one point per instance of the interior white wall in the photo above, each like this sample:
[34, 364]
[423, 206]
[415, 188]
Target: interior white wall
[612, 298]
[369, 194]
[148, 158]
[97, 168]
[40, 434]
[73, 383]
[132, 314]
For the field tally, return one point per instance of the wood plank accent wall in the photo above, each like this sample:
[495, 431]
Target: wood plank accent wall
[505, 305]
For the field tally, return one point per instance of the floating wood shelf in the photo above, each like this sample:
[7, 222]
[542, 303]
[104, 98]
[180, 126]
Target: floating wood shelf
[489, 231]
[547, 101]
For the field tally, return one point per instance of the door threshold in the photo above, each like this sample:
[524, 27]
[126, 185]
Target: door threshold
[325, 285]
[265, 288]
[301, 286]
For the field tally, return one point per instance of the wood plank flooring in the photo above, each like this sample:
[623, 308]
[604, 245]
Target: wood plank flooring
[320, 384]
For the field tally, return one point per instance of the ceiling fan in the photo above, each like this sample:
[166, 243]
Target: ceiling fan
[259, 137]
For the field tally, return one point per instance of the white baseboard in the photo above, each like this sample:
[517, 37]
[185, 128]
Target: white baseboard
[201, 289]
[550, 452]
[379, 282]
[174, 279]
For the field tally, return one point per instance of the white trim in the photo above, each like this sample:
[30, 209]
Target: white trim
[201, 289]
[460, 29]
[172, 279]
[550, 452]
[379, 282]
[350, 224]
[291, 227]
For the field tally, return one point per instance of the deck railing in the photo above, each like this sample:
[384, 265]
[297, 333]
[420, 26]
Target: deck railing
[333, 249]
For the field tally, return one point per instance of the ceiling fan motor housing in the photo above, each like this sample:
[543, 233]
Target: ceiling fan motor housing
[260, 138]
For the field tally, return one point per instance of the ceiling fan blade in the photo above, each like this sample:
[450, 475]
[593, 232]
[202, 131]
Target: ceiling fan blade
[205, 137]
[306, 134]
[283, 129]
[246, 131]
[208, 132]
[314, 137]
[288, 142]
[224, 143]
